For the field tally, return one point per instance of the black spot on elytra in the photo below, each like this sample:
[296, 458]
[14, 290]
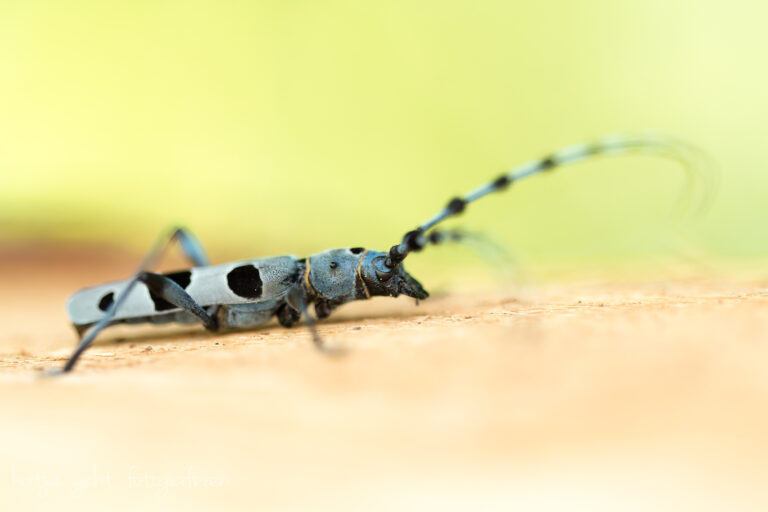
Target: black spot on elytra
[334, 265]
[182, 278]
[356, 250]
[245, 281]
[106, 301]
[160, 303]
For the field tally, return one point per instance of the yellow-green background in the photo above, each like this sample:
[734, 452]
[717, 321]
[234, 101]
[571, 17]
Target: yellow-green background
[295, 126]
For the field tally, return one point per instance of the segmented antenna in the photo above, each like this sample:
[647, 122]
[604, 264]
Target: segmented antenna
[616, 144]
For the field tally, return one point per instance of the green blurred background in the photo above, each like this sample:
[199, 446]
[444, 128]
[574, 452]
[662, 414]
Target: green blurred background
[294, 126]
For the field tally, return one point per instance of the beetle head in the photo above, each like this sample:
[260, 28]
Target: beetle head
[392, 281]
[342, 275]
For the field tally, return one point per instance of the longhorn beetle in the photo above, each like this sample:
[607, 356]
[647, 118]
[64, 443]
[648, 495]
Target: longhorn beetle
[247, 293]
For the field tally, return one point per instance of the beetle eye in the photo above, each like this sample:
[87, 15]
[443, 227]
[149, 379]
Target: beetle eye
[334, 265]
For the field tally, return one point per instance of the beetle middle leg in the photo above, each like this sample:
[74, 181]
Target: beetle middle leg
[297, 301]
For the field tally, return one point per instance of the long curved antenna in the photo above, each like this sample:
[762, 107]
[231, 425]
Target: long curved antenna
[485, 246]
[616, 144]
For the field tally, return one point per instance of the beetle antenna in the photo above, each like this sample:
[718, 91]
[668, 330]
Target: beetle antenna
[616, 144]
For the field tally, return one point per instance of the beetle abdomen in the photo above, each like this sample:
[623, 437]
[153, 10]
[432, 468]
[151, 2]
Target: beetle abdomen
[242, 282]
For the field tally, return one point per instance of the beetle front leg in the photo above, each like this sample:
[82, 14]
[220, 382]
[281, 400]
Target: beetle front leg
[297, 299]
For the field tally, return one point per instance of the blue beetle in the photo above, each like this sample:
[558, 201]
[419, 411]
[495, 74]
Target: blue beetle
[248, 293]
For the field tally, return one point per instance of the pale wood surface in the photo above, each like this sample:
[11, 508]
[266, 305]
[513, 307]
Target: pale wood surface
[559, 397]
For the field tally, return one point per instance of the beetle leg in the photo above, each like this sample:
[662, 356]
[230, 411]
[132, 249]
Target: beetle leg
[162, 287]
[190, 246]
[297, 300]
[196, 254]
[169, 290]
[288, 316]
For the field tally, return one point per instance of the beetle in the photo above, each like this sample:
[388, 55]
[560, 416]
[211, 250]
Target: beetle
[248, 293]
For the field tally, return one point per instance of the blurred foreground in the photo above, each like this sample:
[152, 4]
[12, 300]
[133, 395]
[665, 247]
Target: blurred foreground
[577, 397]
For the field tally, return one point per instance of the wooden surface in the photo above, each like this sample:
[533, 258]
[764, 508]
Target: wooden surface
[559, 397]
